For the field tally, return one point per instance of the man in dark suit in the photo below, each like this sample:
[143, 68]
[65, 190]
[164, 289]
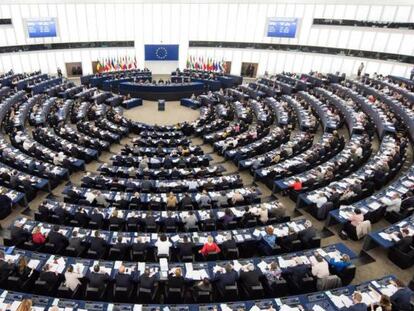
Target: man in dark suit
[98, 244]
[226, 277]
[123, 279]
[18, 234]
[185, 248]
[146, 280]
[229, 243]
[97, 218]
[98, 279]
[123, 247]
[405, 242]
[306, 236]
[250, 276]
[297, 273]
[57, 239]
[186, 200]
[167, 163]
[76, 243]
[408, 201]
[5, 204]
[5, 268]
[170, 221]
[51, 278]
[358, 305]
[402, 297]
[146, 185]
[81, 217]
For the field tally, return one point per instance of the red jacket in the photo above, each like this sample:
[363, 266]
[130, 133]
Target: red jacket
[38, 238]
[210, 248]
[297, 185]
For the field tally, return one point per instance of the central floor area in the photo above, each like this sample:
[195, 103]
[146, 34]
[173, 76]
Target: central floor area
[174, 113]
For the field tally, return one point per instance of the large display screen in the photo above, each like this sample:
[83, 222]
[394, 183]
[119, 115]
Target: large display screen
[41, 27]
[282, 27]
[161, 51]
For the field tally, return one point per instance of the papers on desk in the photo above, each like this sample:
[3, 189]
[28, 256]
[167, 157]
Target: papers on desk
[374, 205]
[175, 238]
[341, 301]
[370, 298]
[385, 236]
[225, 307]
[163, 264]
[56, 265]
[262, 266]
[288, 308]
[196, 274]
[236, 265]
[285, 263]
[317, 308]
[388, 290]
[33, 263]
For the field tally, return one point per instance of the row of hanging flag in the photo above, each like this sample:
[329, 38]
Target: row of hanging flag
[116, 63]
[205, 63]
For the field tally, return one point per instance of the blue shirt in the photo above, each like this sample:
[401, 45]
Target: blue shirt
[270, 240]
[339, 266]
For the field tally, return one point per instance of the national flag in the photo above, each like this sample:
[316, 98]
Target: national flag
[98, 66]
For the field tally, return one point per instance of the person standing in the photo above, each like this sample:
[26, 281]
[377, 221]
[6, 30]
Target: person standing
[360, 68]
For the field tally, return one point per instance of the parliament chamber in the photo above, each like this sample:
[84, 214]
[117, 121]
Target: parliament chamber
[262, 163]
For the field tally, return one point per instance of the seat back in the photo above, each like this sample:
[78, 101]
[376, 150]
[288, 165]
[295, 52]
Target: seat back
[231, 292]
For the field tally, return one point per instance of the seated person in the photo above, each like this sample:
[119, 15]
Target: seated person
[297, 273]
[209, 247]
[405, 242]
[57, 239]
[357, 305]
[75, 242]
[227, 217]
[273, 274]
[38, 237]
[163, 246]
[72, 278]
[228, 243]
[306, 236]
[221, 200]
[97, 278]
[393, 204]
[190, 221]
[18, 234]
[186, 200]
[339, 266]
[146, 280]
[176, 280]
[204, 200]
[320, 268]
[172, 201]
[268, 241]
[185, 248]
[98, 244]
[237, 198]
[115, 219]
[401, 299]
[250, 276]
[123, 279]
[51, 278]
[225, 277]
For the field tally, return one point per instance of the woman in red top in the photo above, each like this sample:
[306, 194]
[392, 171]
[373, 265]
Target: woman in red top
[209, 247]
[296, 185]
[37, 236]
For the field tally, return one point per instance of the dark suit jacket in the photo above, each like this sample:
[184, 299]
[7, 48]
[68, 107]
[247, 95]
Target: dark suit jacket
[186, 201]
[297, 273]
[225, 279]
[228, 244]
[175, 282]
[76, 243]
[356, 307]
[49, 277]
[57, 239]
[5, 270]
[123, 247]
[98, 280]
[19, 235]
[250, 278]
[185, 249]
[146, 282]
[139, 247]
[401, 299]
[123, 280]
[404, 244]
[98, 245]
[307, 235]
[98, 218]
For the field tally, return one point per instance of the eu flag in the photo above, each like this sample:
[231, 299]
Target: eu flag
[161, 51]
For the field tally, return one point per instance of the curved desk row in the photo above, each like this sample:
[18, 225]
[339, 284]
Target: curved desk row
[155, 92]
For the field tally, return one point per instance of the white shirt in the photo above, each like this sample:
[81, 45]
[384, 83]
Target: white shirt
[72, 280]
[90, 196]
[319, 201]
[163, 247]
[393, 205]
[320, 269]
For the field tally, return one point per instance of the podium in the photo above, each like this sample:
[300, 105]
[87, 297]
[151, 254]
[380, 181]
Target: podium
[161, 105]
